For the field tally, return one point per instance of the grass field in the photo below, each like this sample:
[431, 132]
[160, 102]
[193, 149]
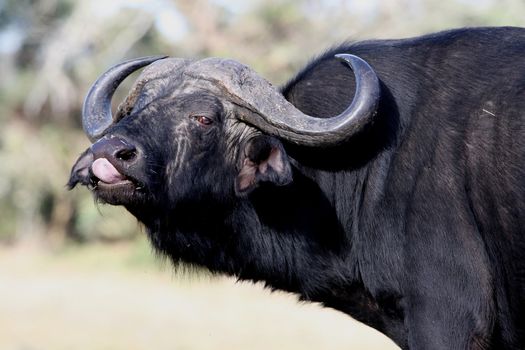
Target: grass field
[121, 297]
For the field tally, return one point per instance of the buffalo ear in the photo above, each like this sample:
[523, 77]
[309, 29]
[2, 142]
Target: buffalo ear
[263, 159]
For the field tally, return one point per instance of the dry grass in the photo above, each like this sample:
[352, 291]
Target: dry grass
[114, 297]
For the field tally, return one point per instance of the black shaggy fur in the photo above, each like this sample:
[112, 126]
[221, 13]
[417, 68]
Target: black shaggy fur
[415, 226]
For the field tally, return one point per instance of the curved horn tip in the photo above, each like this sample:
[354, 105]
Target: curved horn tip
[369, 81]
[149, 59]
[96, 110]
[351, 59]
[344, 56]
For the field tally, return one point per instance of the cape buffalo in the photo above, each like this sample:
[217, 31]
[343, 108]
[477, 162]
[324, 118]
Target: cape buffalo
[386, 180]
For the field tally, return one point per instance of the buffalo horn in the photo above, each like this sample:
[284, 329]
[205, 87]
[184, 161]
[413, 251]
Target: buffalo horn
[267, 109]
[96, 111]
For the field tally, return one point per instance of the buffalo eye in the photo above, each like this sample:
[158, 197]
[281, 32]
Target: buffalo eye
[203, 120]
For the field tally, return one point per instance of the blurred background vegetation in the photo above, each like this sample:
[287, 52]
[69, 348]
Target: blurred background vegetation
[52, 50]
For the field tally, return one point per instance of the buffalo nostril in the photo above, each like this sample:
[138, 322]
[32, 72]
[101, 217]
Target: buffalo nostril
[115, 149]
[127, 155]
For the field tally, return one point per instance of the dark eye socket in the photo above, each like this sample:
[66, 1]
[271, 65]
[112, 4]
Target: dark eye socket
[203, 120]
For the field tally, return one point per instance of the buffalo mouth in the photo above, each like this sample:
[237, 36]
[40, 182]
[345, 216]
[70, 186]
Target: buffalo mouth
[107, 181]
[121, 193]
[113, 185]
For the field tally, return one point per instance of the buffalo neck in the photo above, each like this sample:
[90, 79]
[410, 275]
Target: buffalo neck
[299, 238]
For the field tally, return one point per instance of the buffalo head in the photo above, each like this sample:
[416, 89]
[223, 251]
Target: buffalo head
[202, 128]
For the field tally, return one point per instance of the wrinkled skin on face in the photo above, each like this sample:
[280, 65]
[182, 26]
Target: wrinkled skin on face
[175, 142]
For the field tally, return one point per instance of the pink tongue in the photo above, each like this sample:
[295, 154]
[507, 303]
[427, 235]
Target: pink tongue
[106, 172]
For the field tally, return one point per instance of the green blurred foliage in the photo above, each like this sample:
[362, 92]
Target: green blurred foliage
[51, 51]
